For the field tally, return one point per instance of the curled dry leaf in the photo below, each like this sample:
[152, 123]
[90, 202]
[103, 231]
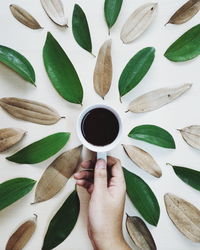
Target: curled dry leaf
[55, 11]
[29, 110]
[138, 22]
[9, 137]
[143, 160]
[186, 12]
[103, 70]
[24, 17]
[184, 215]
[139, 233]
[191, 135]
[22, 235]
[157, 98]
[57, 174]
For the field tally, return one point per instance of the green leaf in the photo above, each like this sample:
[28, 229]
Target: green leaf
[185, 47]
[63, 222]
[142, 197]
[61, 71]
[80, 28]
[111, 11]
[14, 189]
[135, 70]
[154, 135]
[18, 63]
[189, 176]
[40, 150]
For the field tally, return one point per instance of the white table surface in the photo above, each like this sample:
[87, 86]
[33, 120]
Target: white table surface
[182, 112]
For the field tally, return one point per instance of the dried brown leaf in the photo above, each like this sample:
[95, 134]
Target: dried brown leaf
[191, 135]
[29, 110]
[139, 233]
[184, 215]
[103, 70]
[24, 17]
[57, 174]
[55, 11]
[186, 12]
[9, 137]
[157, 98]
[22, 235]
[143, 160]
[138, 22]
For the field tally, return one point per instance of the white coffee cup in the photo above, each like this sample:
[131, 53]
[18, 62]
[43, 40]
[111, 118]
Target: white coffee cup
[101, 150]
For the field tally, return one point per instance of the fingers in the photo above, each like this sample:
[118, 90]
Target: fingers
[115, 165]
[83, 174]
[100, 176]
[87, 164]
[85, 184]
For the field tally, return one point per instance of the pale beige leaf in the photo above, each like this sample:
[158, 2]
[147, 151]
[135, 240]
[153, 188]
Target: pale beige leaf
[186, 12]
[103, 70]
[10, 137]
[191, 135]
[143, 160]
[157, 98]
[57, 174]
[24, 17]
[29, 110]
[22, 235]
[55, 11]
[138, 22]
[184, 215]
[139, 233]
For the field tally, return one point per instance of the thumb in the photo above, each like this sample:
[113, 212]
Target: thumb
[100, 176]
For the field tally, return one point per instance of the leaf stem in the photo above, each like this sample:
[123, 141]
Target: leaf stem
[36, 216]
[92, 54]
[169, 164]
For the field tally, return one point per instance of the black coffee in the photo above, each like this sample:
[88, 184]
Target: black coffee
[100, 127]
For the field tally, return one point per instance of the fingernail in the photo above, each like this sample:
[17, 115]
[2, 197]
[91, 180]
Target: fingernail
[76, 174]
[101, 164]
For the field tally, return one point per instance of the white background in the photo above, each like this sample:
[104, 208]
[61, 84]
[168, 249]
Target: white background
[182, 112]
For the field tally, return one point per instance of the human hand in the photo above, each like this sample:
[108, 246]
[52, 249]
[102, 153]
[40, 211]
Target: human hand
[107, 190]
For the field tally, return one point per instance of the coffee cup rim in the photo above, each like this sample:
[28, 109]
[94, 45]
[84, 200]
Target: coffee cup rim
[85, 142]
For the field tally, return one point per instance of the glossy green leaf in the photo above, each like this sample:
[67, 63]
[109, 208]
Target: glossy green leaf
[111, 11]
[142, 197]
[135, 70]
[40, 150]
[14, 189]
[189, 176]
[80, 28]
[186, 47]
[63, 222]
[154, 135]
[61, 71]
[17, 63]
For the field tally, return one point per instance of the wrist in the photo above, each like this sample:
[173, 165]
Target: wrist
[117, 243]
